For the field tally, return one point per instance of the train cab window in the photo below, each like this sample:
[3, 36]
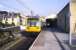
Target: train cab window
[32, 21]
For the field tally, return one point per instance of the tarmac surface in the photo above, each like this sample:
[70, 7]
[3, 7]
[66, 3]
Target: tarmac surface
[73, 42]
[51, 39]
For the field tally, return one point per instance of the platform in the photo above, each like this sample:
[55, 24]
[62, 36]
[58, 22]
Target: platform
[73, 40]
[45, 41]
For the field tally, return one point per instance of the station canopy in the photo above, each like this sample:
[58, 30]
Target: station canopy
[52, 16]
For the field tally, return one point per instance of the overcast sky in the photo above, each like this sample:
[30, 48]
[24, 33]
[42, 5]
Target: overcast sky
[41, 7]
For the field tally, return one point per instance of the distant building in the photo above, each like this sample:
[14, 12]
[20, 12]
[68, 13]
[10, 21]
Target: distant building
[3, 13]
[8, 14]
[63, 19]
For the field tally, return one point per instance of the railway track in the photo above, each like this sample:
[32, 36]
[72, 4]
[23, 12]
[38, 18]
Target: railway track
[27, 42]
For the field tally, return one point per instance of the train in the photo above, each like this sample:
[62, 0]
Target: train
[33, 25]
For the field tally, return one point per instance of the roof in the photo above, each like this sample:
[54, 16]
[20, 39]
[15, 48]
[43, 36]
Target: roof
[3, 12]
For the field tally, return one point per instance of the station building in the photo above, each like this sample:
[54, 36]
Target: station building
[73, 17]
[63, 19]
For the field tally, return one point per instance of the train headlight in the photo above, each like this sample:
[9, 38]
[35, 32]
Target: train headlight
[27, 27]
[37, 27]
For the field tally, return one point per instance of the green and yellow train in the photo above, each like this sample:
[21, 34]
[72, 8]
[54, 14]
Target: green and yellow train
[33, 25]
